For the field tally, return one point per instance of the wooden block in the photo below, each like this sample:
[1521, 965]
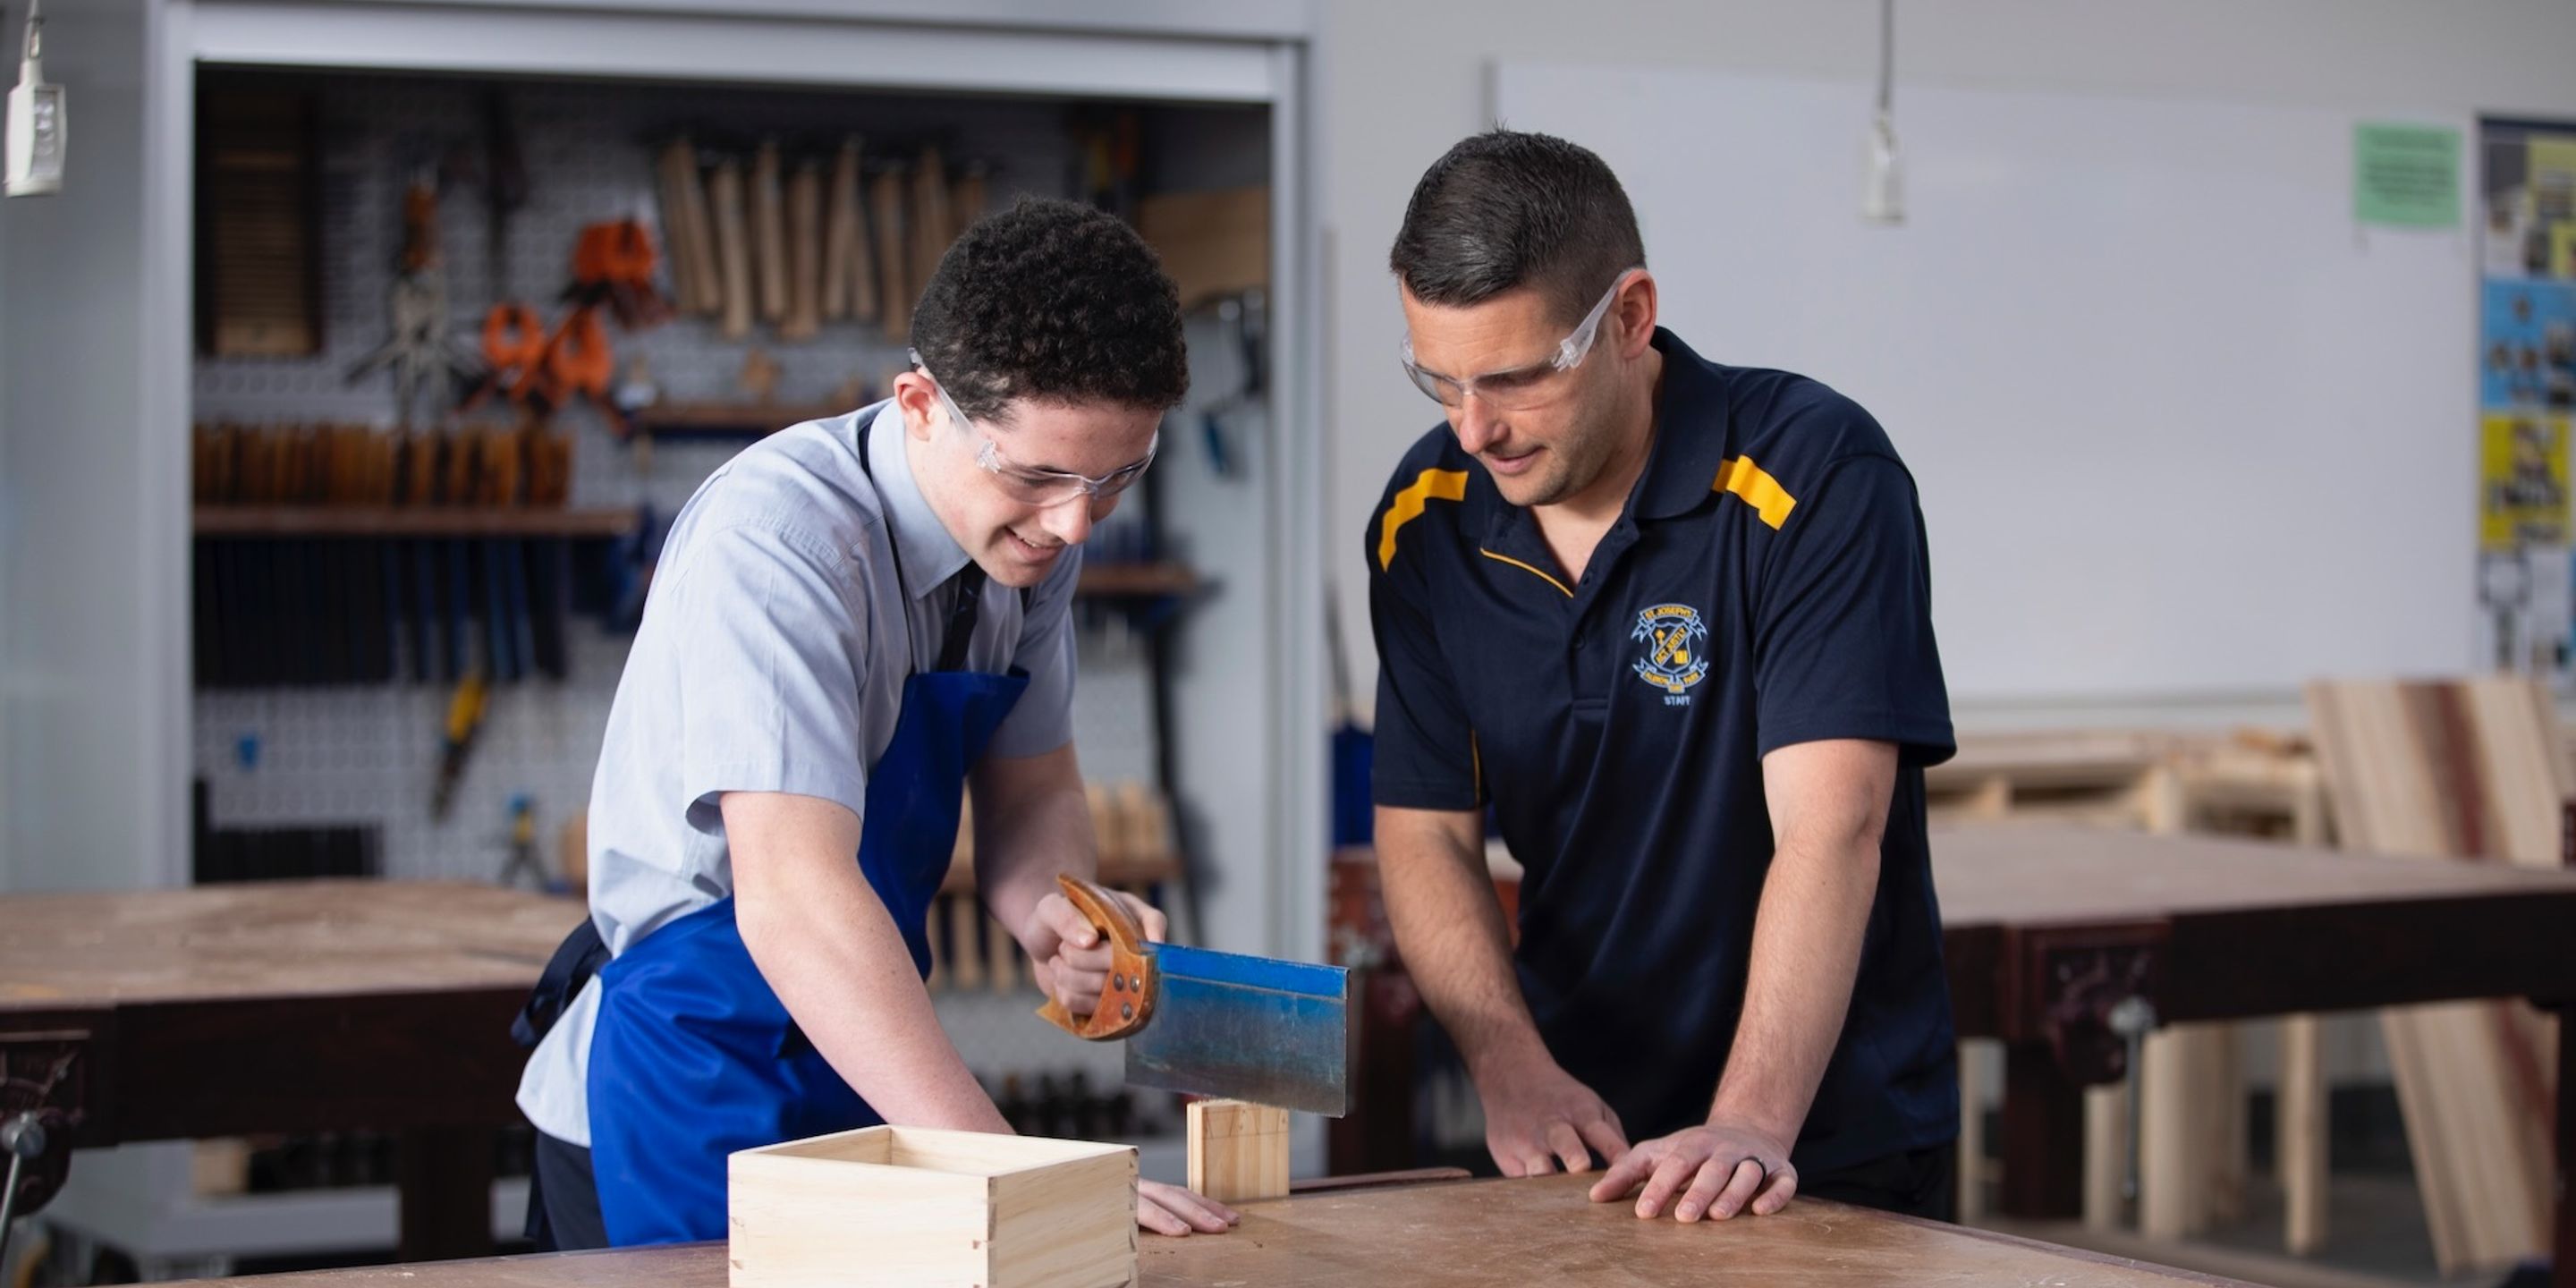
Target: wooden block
[1238, 1152]
[907, 1205]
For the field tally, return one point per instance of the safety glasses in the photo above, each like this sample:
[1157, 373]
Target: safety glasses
[1516, 388]
[1028, 483]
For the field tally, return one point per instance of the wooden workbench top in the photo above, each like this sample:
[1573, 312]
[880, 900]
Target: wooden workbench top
[273, 940]
[1485, 1233]
[2012, 874]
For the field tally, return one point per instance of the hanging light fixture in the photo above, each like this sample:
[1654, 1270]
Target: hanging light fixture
[1882, 199]
[35, 128]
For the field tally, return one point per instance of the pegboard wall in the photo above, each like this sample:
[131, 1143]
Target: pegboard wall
[300, 756]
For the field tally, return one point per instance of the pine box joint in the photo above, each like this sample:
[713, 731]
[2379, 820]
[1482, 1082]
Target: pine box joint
[912, 1206]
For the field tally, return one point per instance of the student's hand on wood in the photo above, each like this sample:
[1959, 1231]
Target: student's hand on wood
[1169, 1209]
[1537, 1115]
[1714, 1170]
[1070, 955]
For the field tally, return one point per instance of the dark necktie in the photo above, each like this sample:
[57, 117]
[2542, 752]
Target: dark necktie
[961, 617]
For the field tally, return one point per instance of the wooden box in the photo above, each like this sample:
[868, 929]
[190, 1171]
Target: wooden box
[907, 1206]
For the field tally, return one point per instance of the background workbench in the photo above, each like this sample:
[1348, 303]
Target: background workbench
[1540, 1230]
[285, 1007]
[2046, 929]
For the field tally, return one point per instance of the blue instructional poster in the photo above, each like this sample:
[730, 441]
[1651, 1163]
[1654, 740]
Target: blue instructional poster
[2527, 344]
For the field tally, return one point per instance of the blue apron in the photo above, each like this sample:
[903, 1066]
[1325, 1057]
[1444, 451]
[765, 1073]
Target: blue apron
[693, 1056]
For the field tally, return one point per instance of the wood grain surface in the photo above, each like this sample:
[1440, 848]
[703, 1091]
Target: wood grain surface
[273, 940]
[1483, 1233]
[2036, 875]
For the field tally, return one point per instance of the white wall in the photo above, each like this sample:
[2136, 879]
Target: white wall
[11, 536]
[77, 679]
[1399, 83]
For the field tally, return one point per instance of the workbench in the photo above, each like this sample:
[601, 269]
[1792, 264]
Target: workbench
[2047, 928]
[1481, 1233]
[283, 1007]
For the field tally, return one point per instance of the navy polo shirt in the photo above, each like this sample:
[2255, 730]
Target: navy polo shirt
[1766, 584]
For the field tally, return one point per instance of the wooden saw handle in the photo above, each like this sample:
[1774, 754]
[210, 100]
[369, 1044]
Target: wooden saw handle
[1128, 1001]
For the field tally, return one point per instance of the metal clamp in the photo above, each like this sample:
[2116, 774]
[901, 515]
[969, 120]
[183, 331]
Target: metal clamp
[24, 1139]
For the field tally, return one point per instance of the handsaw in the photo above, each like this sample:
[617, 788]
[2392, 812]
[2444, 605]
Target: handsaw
[1208, 1023]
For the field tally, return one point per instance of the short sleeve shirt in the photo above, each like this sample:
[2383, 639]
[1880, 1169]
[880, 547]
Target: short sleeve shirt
[1767, 584]
[797, 590]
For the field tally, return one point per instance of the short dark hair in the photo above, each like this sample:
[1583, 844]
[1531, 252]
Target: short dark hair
[1055, 301]
[1506, 209]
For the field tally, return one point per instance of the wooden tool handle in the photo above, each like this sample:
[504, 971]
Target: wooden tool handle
[804, 254]
[1128, 1001]
[841, 232]
[769, 233]
[733, 249]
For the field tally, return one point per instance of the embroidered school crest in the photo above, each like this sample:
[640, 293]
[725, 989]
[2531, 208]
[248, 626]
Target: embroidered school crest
[1675, 660]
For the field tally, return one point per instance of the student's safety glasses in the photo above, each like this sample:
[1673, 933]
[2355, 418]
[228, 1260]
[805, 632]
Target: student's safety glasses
[1028, 483]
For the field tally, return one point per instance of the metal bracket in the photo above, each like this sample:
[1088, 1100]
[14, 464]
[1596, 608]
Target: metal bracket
[43, 1085]
[2092, 991]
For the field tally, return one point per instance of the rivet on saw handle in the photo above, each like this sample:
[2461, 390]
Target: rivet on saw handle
[1127, 1001]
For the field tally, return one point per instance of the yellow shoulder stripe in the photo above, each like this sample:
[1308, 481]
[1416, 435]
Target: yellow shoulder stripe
[1445, 485]
[1739, 475]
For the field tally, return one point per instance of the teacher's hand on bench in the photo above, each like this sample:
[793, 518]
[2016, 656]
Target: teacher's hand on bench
[1714, 1170]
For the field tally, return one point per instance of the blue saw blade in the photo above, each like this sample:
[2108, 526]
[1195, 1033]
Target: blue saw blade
[1247, 1028]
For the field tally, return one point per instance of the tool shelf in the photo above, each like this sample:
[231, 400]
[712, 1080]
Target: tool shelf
[412, 521]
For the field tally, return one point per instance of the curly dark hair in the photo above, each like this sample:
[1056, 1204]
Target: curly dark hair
[1055, 301]
[1507, 209]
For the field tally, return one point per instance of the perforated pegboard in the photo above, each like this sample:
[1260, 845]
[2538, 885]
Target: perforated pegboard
[589, 153]
[371, 754]
[305, 756]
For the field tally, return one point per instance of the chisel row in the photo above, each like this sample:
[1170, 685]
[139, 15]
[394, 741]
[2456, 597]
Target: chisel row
[355, 465]
[339, 610]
